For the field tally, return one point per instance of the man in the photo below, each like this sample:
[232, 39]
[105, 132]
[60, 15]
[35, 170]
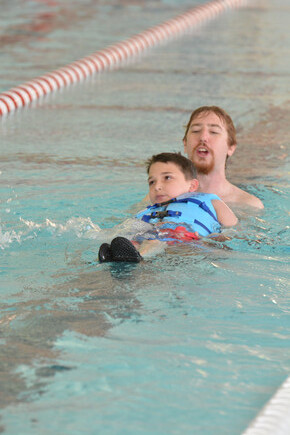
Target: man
[210, 138]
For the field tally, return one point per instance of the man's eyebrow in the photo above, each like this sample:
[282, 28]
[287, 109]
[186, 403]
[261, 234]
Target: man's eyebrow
[215, 125]
[209, 125]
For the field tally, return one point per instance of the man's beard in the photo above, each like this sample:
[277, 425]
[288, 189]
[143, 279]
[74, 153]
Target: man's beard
[203, 166]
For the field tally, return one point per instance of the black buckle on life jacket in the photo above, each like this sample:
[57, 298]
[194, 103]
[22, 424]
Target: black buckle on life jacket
[164, 213]
[159, 214]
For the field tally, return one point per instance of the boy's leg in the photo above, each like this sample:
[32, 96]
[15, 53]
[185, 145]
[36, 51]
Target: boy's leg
[151, 247]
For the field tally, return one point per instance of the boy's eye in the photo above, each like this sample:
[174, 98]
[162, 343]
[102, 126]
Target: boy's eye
[151, 182]
[168, 177]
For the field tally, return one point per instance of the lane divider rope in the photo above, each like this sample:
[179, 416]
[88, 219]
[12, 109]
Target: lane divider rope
[112, 56]
[274, 417]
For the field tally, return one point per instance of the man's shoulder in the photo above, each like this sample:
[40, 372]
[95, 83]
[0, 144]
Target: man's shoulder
[244, 198]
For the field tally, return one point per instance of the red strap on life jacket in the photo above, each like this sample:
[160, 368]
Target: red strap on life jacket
[179, 233]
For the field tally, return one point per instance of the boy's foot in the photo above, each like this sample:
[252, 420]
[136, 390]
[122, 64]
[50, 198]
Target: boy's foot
[105, 253]
[123, 250]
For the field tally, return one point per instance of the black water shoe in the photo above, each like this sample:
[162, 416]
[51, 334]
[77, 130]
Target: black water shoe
[105, 254]
[123, 250]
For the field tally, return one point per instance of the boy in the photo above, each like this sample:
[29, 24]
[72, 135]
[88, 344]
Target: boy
[177, 214]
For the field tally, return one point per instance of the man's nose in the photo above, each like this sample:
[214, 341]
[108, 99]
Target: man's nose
[203, 135]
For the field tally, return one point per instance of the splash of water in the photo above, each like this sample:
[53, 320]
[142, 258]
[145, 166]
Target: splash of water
[8, 237]
[81, 227]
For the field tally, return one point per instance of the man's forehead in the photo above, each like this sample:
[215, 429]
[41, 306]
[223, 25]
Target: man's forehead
[208, 118]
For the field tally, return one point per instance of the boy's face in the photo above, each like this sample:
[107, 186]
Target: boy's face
[166, 181]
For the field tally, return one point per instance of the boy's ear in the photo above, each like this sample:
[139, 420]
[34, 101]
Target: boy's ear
[193, 185]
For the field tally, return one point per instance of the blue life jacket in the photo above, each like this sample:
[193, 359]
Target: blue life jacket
[195, 210]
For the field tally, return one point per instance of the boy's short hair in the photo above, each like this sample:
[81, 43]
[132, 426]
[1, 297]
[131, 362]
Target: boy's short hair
[184, 164]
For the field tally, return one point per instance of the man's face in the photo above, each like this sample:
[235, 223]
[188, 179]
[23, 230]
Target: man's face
[166, 181]
[206, 143]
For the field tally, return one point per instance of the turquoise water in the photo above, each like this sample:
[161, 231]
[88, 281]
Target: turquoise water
[195, 340]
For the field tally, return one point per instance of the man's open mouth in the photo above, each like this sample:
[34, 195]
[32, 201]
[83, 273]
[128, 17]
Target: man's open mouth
[202, 151]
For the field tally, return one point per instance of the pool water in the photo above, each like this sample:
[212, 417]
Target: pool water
[195, 340]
